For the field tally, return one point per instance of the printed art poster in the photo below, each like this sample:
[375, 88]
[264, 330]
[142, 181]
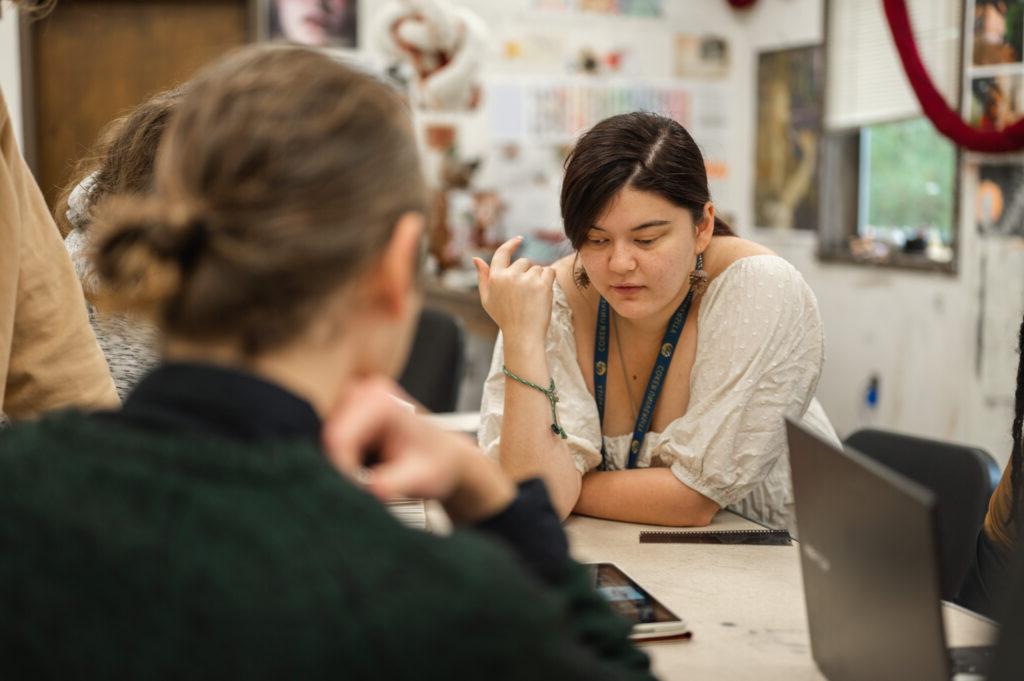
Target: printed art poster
[316, 23]
[998, 32]
[634, 8]
[789, 124]
[700, 56]
[999, 200]
[995, 82]
[997, 101]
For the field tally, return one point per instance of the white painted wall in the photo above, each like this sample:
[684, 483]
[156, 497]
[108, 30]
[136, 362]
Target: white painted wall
[918, 332]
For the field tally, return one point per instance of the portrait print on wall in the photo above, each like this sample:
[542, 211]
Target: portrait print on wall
[998, 32]
[790, 86]
[997, 101]
[999, 200]
[315, 23]
[700, 56]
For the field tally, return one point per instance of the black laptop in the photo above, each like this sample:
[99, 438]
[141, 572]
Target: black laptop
[870, 569]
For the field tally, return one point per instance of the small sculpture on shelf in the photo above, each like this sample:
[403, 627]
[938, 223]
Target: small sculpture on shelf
[444, 44]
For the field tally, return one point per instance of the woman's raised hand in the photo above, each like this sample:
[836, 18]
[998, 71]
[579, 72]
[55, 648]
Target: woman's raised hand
[517, 295]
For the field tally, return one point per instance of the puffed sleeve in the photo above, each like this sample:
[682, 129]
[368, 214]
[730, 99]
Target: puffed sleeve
[760, 350]
[577, 411]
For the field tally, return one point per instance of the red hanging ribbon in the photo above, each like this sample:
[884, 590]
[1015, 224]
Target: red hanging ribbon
[946, 120]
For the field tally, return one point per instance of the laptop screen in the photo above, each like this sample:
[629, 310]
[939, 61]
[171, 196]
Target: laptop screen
[870, 566]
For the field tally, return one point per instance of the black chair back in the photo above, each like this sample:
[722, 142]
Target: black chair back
[436, 361]
[961, 478]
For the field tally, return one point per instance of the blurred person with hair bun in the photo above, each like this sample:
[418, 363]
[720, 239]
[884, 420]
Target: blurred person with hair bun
[227, 522]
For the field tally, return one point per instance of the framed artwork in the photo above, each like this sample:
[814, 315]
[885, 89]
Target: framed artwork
[993, 67]
[998, 32]
[790, 88]
[700, 56]
[997, 101]
[999, 200]
[315, 23]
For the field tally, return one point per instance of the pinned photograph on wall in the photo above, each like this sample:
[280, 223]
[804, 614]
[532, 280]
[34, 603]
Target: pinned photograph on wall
[701, 56]
[632, 8]
[599, 6]
[998, 32]
[642, 8]
[316, 23]
[534, 49]
[999, 201]
[552, 5]
[790, 86]
[997, 101]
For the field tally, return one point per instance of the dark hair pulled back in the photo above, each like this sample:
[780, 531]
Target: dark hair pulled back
[641, 150]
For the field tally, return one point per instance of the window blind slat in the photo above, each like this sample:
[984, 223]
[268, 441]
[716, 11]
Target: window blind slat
[865, 82]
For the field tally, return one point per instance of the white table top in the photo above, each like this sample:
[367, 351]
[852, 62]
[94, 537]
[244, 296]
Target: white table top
[744, 604]
[458, 421]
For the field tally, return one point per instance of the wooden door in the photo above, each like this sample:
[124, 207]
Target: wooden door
[92, 60]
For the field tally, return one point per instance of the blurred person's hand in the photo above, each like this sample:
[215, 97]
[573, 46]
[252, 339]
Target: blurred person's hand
[377, 441]
[517, 295]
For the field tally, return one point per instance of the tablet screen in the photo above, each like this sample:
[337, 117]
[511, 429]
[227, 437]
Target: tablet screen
[627, 597]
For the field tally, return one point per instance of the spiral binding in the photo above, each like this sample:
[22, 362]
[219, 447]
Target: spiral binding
[671, 537]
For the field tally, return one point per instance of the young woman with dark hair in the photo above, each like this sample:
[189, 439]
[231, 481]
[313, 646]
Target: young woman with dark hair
[988, 580]
[674, 347]
[215, 527]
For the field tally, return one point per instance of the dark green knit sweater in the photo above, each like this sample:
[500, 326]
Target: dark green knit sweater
[134, 554]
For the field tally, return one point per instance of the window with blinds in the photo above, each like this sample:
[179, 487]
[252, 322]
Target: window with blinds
[865, 83]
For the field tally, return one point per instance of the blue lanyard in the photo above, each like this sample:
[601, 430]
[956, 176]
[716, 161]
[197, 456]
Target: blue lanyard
[654, 384]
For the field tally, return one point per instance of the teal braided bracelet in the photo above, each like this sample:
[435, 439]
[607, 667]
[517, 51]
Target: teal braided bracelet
[549, 393]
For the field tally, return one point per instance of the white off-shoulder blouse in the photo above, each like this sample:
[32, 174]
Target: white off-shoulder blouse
[760, 350]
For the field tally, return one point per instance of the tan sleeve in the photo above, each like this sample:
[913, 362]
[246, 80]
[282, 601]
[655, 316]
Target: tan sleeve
[997, 520]
[49, 357]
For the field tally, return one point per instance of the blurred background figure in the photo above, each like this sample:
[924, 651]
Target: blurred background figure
[121, 163]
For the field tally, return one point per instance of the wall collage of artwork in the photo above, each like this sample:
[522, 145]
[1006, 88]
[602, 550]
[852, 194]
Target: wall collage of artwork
[994, 99]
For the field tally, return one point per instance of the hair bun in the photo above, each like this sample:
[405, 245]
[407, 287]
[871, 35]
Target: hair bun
[144, 250]
[184, 241]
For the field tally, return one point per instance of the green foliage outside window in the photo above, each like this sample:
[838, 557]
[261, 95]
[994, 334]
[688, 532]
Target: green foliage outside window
[911, 178]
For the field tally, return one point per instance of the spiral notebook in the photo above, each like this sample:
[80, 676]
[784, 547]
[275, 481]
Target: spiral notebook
[759, 537]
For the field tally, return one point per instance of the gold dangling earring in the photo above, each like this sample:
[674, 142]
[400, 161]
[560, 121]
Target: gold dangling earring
[699, 277]
[579, 275]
